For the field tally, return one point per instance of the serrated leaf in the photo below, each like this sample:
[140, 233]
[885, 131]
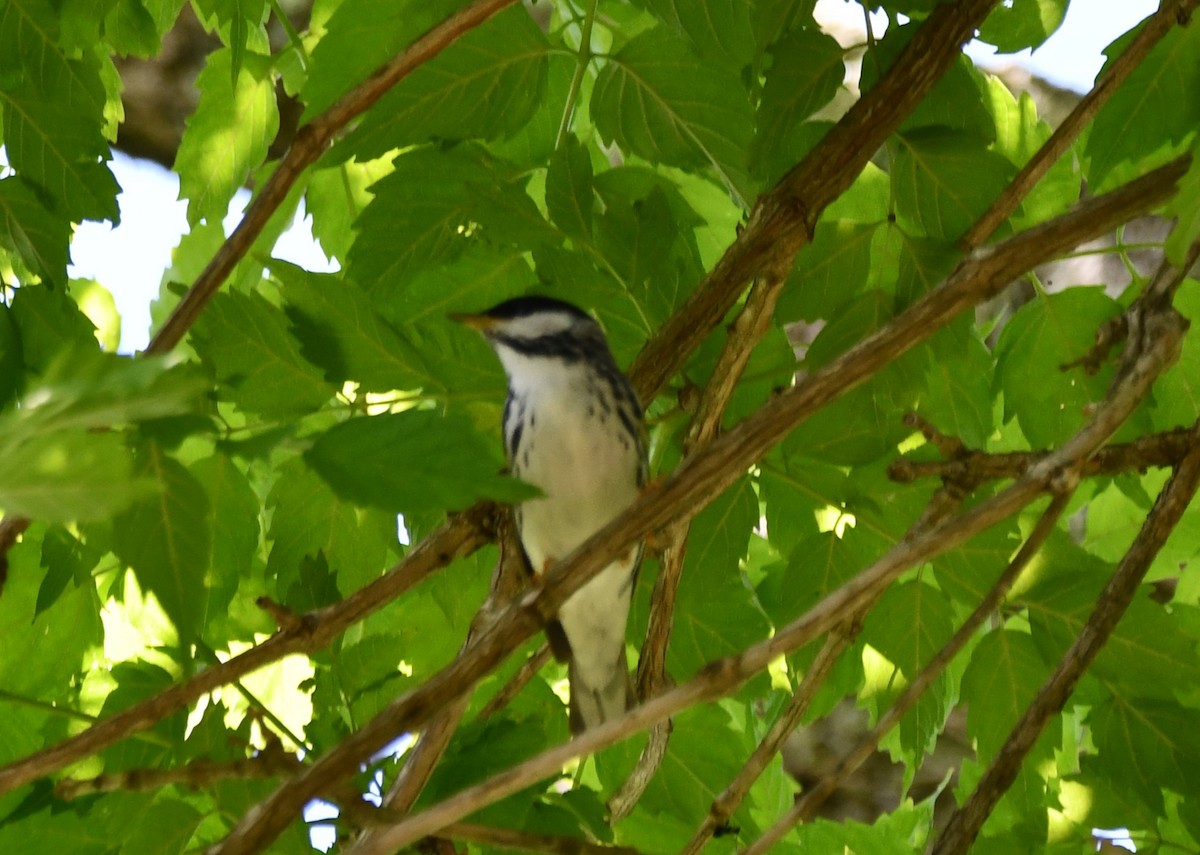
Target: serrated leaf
[944, 180]
[819, 564]
[569, 188]
[360, 36]
[1037, 342]
[1022, 24]
[53, 114]
[718, 30]
[829, 272]
[715, 614]
[434, 207]
[308, 520]
[1000, 681]
[807, 70]
[66, 559]
[412, 461]
[341, 333]
[245, 342]
[1156, 104]
[486, 85]
[228, 134]
[49, 323]
[233, 517]
[32, 231]
[657, 100]
[1145, 746]
[959, 402]
[167, 539]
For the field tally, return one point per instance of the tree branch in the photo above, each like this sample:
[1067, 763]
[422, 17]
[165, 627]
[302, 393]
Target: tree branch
[689, 488]
[974, 468]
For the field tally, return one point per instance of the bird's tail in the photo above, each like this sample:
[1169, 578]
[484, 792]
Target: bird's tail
[597, 701]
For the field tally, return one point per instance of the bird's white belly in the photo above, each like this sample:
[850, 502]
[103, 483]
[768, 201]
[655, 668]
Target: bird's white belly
[588, 477]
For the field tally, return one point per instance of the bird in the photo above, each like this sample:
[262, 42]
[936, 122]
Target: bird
[573, 428]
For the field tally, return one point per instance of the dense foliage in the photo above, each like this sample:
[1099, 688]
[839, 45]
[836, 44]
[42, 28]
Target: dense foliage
[166, 513]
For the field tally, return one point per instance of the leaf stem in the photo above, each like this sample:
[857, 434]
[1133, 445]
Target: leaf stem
[292, 33]
[582, 58]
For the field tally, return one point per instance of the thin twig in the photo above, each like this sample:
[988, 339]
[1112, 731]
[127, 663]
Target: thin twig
[978, 467]
[806, 806]
[729, 799]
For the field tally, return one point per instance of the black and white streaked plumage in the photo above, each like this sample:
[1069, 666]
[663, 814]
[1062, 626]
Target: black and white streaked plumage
[572, 428]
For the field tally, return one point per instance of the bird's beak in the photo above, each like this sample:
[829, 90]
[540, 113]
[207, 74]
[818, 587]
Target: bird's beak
[482, 323]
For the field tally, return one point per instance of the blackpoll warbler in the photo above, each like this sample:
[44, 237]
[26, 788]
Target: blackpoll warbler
[572, 428]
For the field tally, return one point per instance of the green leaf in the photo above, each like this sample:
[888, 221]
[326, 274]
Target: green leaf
[341, 333]
[11, 371]
[819, 564]
[167, 539]
[486, 85]
[434, 207]
[308, 520]
[718, 30]
[43, 649]
[807, 70]
[234, 521]
[48, 323]
[830, 271]
[999, 683]
[944, 180]
[31, 230]
[66, 559]
[715, 614]
[228, 134]
[657, 100]
[405, 462]
[569, 188]
[1022, 24]
[53, 114]
[67, 476]
[959, 402]
[1048, 400]
[1147, 746]
[245, 342]
[360, 36]
[1176, 394]
[1156, 104]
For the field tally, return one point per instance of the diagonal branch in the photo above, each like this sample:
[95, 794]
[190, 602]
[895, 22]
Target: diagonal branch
[783, 219]
[714, 468]
[309, 144]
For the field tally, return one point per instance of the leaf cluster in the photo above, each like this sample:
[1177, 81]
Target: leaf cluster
[315, 429]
